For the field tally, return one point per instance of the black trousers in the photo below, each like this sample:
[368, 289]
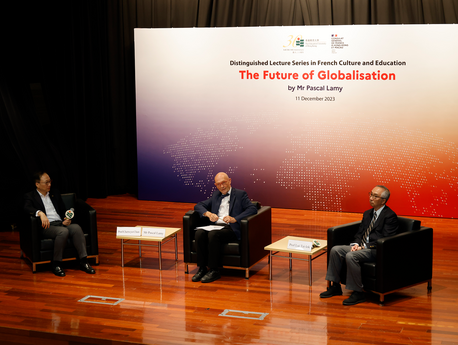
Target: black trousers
[210, 246]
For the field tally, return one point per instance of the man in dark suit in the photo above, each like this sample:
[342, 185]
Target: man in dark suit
[226, 207]
[378, 222]
[49, 206]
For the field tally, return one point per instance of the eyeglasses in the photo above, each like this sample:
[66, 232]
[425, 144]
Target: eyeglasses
[46, 182]
[221, 183]
[375, 196]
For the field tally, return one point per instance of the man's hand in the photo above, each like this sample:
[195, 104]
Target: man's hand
[66, 222]
[213, 217]
[356, 247]
[44, 220]
[229, 219]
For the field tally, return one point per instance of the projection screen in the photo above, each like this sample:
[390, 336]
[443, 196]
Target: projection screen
[305, 117]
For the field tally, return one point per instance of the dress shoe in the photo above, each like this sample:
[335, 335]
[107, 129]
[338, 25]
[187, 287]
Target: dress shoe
[333, 290]
[58, 271]
[355, 298]
[211, 276]
[86, 268]
[200, 273]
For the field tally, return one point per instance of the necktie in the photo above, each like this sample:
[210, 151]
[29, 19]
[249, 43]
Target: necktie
[224, 195]
[369, 229]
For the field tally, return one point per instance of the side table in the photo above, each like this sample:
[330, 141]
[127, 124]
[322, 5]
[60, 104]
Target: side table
[282, 246]
[170, 234]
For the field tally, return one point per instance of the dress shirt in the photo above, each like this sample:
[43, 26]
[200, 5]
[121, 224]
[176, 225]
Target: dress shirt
[378, 215]
[49, 208]
[224, 208]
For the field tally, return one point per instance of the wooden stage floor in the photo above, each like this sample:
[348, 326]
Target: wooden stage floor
[166, 307]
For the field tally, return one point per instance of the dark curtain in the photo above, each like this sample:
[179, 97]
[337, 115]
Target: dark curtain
[67, 82]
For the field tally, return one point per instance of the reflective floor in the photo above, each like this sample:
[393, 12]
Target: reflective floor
[142, 304]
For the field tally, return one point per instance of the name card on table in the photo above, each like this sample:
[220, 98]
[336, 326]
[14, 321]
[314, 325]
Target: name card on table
[128, 231]
[300, 245]
[153, 232]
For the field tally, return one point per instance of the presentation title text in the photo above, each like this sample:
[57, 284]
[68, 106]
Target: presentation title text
[317, 74]
[322, 75]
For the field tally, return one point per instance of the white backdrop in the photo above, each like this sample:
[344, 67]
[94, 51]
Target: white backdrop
[301, 117]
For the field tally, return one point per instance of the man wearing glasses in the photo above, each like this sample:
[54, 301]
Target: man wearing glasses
[226, 207]
[378, 222]
[50, 208]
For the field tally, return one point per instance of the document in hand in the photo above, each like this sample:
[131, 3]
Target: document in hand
[210, 227]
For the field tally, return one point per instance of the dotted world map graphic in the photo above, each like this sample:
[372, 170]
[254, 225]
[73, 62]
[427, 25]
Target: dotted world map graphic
[322, 164]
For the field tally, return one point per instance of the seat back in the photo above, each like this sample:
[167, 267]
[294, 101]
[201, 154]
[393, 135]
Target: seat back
[69, 200]
[408, 224]
[257, 204]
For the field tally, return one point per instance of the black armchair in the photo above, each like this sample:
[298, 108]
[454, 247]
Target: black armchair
[403, 260]
[40, 251]
[256, 233]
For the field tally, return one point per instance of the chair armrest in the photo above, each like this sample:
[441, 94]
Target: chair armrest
[404, 259]
[86, 217]
[256, 233]
[342, 234]
[191, 220]
[30, 237]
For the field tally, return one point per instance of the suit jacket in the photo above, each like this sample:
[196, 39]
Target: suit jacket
[240, 206]
[33, 203]
[385, 225]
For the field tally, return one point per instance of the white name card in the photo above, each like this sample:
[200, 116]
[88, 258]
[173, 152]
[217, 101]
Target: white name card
[153, 232]
[128, 231]
[300, 245]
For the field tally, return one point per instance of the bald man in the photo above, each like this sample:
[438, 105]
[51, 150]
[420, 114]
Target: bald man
[227, 207]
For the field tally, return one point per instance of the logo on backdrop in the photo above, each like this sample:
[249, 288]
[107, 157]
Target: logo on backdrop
[294, 44]
[337, 43]
[297, 44]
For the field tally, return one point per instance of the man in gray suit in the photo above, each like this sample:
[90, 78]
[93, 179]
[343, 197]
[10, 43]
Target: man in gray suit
[378, 222]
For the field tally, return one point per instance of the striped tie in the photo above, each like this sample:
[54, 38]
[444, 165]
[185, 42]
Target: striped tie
[369, 229]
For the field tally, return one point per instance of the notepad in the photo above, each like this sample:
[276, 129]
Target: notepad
[210, 227]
